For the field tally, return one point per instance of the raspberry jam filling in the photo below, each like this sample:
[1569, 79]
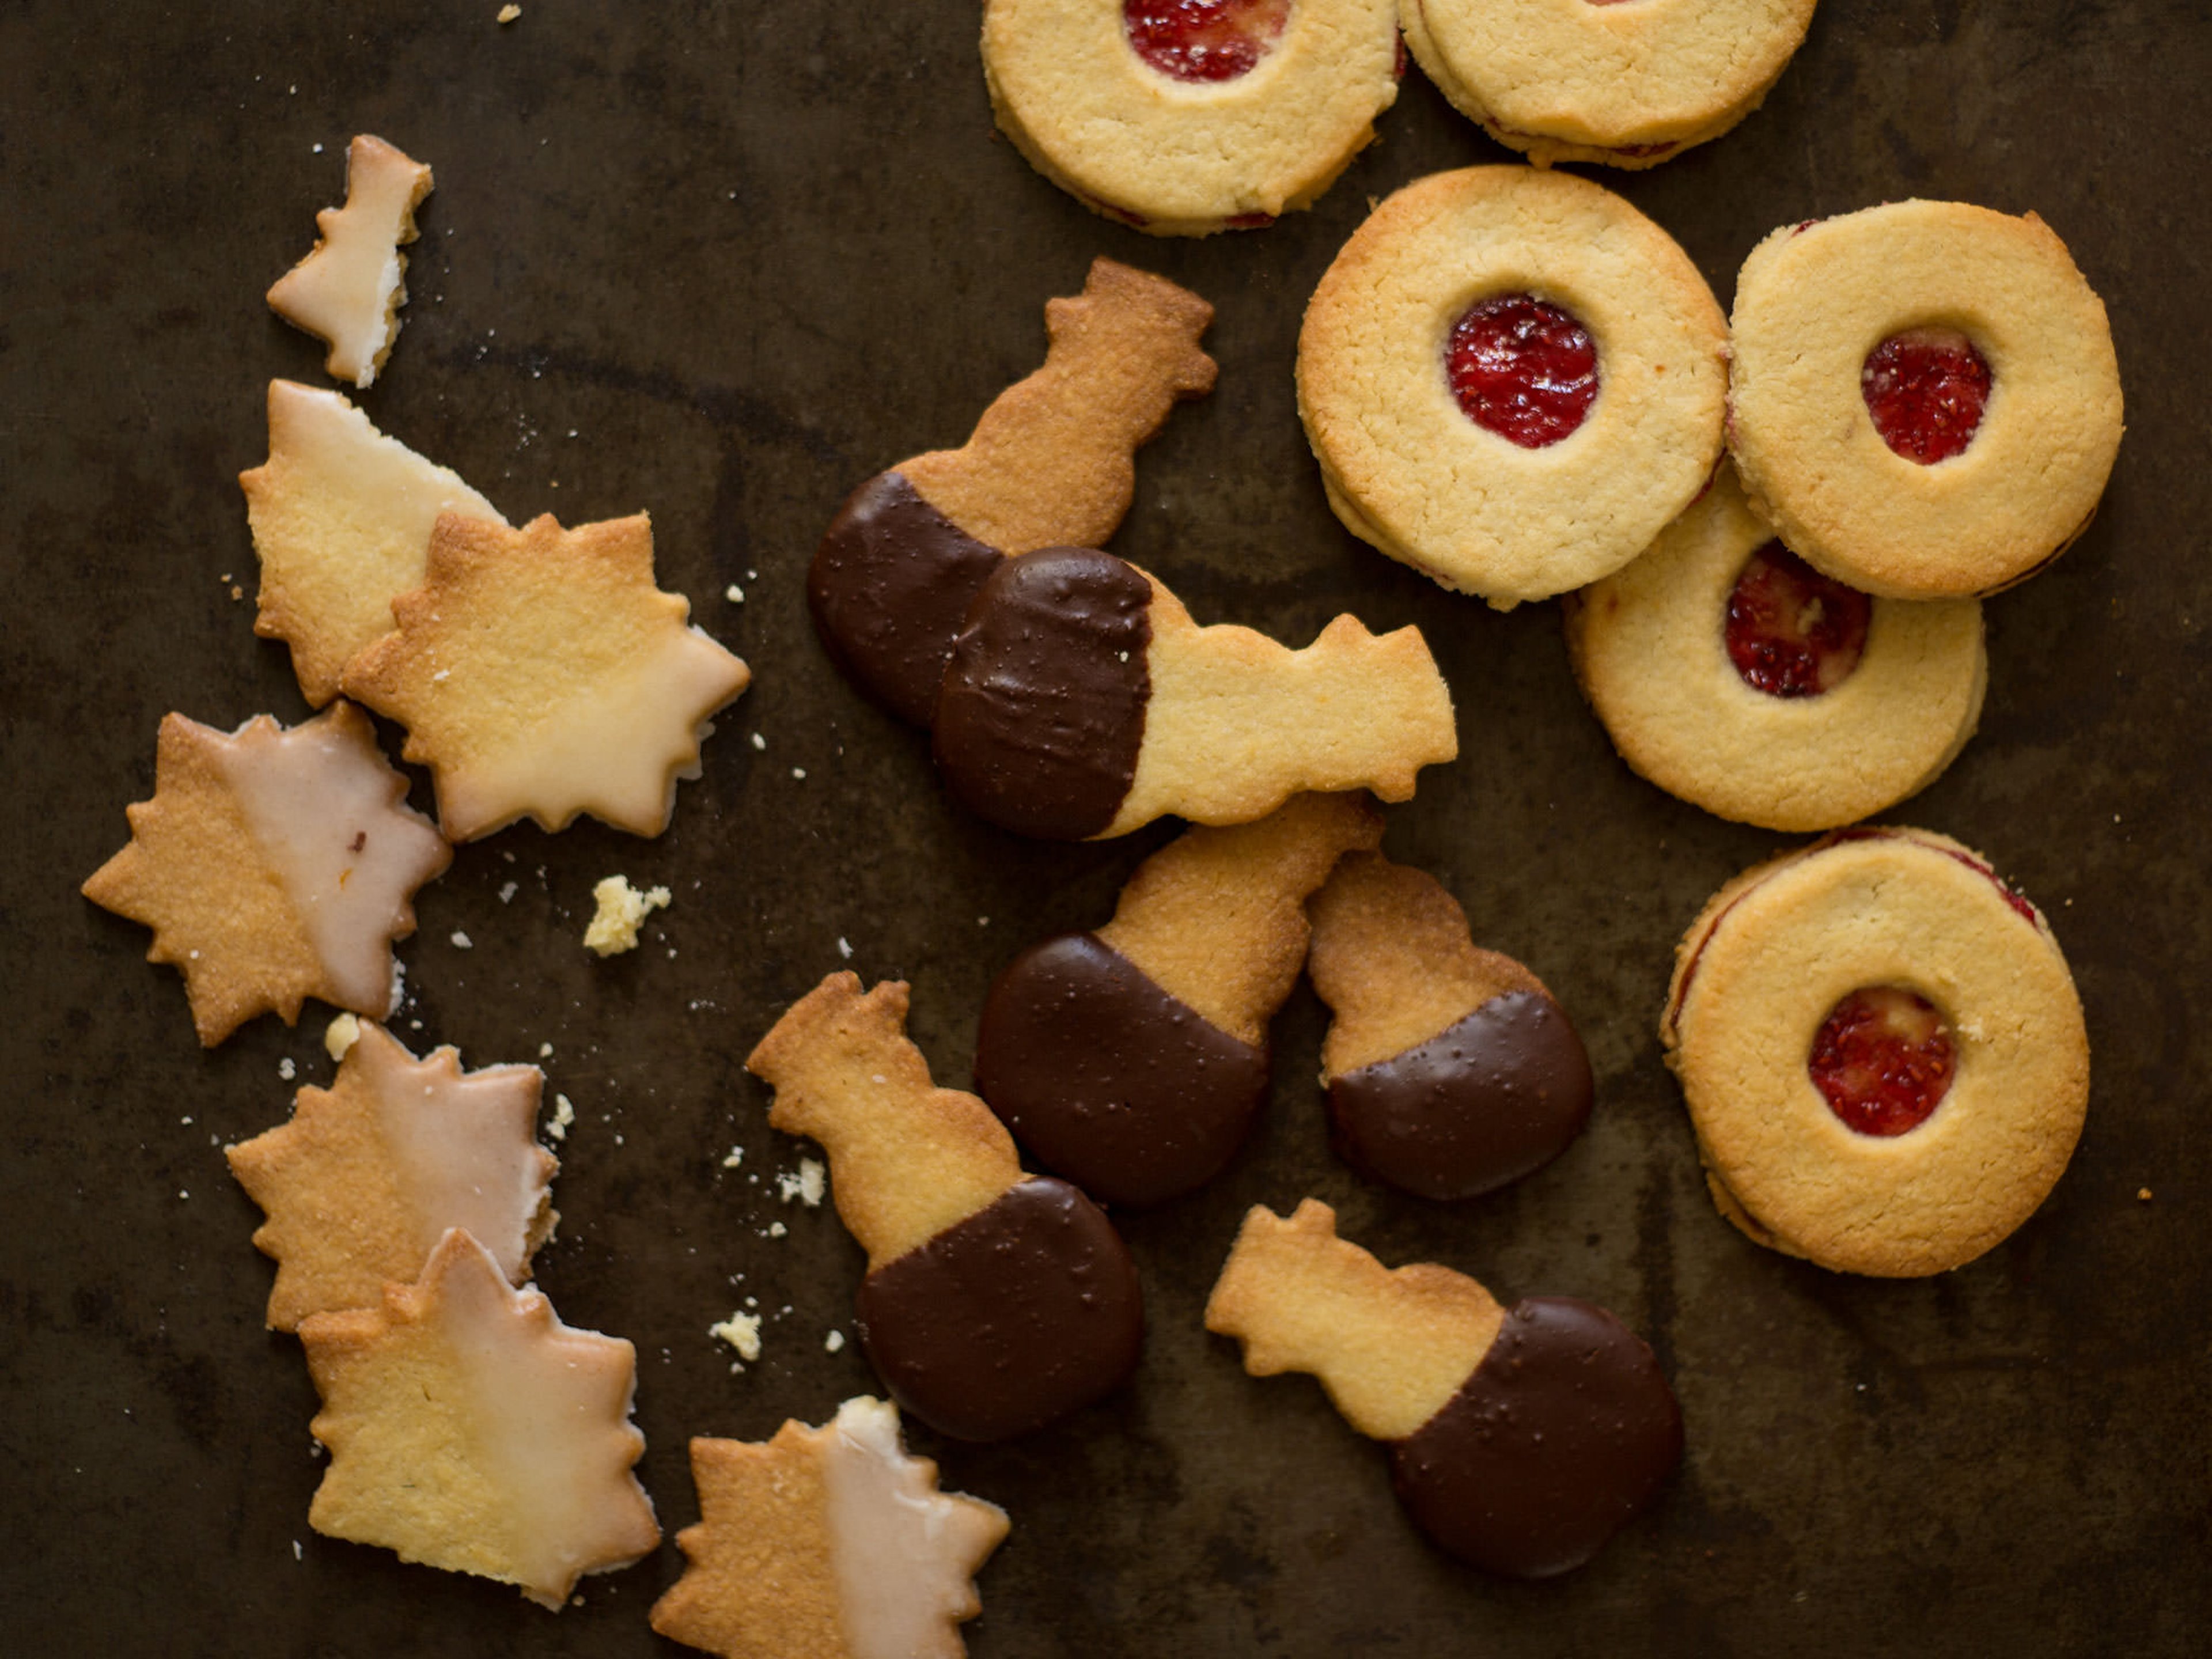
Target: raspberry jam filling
[1882, 1060]
[1791, 631]
[1522, 368]
[1925, 389]
[1204, 39]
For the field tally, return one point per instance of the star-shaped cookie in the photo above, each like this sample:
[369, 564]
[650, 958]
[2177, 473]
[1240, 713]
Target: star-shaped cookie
[349, 287]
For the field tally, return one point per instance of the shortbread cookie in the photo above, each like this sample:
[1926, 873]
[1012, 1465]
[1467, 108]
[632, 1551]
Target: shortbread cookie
[1731, 673]
[1923, 397]
[540, 673]
[1883, 1051]
[830, 1542]
[1512, 380]
[995, 1302]
[274, 865]
[370, 1174]
[1591, 81]
[1185, 117]
[1450, 1069]
[1520, 1440]
[1133, 1060]
[1082, 701]
[470, 1429]
[1051, 463]
[342, 518]
[349, 287]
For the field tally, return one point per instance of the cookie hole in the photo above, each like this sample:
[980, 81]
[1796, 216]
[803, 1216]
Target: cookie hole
[1883, 1061]
[1791, 631]
[1925, 389]
[1204, 41]
[1524, 368]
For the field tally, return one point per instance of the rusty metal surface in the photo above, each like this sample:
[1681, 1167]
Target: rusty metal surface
[721, 262]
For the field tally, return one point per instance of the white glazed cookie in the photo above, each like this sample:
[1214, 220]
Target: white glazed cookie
[1732, 674]
[1186, 119]
[1628, 85]
[1883, 1051]
[1418, 323]
[2015, 411]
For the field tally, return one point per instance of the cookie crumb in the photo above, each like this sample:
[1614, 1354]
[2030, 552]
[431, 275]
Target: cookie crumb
[742, 1332]
[286, 1069]
[506, 892]
[564, 1115]
[462, 941]
[777, 1230]
[759, 742]
[2143, 1193]
[734, 595]
[805, 1185]
[621, 907]
[834, 1341]
[507, 15]
[736, 1158]
[545, 1051]
[844, 949]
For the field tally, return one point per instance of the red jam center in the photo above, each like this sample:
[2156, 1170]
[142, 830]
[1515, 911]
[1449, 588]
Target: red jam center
[1882, 1060]
[1523, 369]
[1204, 39]
[1926, 389]
[1791, 631]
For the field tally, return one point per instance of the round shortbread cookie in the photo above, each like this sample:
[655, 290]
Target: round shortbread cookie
[1773, 989]
[1407, 466]
[1625, 85]
[1147, 112]
[1814, 304]
[1669, 655]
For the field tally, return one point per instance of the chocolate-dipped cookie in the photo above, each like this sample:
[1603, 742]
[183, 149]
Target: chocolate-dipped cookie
[1520, 1439]
[1051, 461]
[1133, 1060]
[1450, 1069]
[995, 1302]
[1082, 701]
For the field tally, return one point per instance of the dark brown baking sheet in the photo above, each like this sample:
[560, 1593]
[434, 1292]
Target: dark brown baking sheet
[721, 262]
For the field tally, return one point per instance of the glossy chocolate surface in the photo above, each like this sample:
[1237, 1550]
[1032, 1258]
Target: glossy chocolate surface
[1131, 1094]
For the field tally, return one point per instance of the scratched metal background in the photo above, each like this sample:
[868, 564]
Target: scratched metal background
[722, 261]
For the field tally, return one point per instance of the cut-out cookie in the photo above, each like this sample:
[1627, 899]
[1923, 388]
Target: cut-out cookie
[349, 287]
[1133, 1060]
[830, 1542]
[1451, 1070]
[1520, 1440]
[995, 1302]
[1051, 463]
[371, 1173]
[1082, 701]
[274, 865]
[470, 1429]
[539, 673]
[342, 516]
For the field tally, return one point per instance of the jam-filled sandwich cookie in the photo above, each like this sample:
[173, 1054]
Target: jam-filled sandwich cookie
[995, 1302]
[1450, 1069]
[1051, 463]
[1733, 674]
[1520, 1439]
[1512, 380]
[1186, 117]
[1591, 81]
[1082, 701]
[1923, 397]
[1883, 1051]
[1133, 1060]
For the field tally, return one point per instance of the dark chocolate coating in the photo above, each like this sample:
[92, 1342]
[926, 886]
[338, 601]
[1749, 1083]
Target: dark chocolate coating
[1043, 708]
[889, 587]
[1025, 1311]
[1565, 1431]
[1487, 1100]
[1132, 1094]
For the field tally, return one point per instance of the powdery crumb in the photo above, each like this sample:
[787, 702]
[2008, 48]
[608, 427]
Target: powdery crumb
[564, 1115]
[736, 1158]
[805, 1185]
[507, 892]
[734, 595]
[834, 1341]
[759, 742]
[462, 941]
[340, 1035]
[742, 1332]
[622, 909]
[286, 1069]
[777, 1230]
[843, 949]
[545, 1051]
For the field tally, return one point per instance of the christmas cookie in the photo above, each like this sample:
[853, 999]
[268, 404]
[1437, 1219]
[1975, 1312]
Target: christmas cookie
[1186, 117]
[1082, 701]
[1133, 1060]
[1512, 380]
[1520, 1439]
[1050, 464]
[1593, 81]
[1731, 673]
[830, 1542]
[995, 1302]
[1923, 397]
[349, 287]
[1450, 1069]
[1883, 1051]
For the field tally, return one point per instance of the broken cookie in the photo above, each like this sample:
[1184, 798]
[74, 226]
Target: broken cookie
[349, 287]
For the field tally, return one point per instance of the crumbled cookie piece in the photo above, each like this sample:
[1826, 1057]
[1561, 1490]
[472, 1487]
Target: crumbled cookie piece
[621, 910]
[349, 287]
